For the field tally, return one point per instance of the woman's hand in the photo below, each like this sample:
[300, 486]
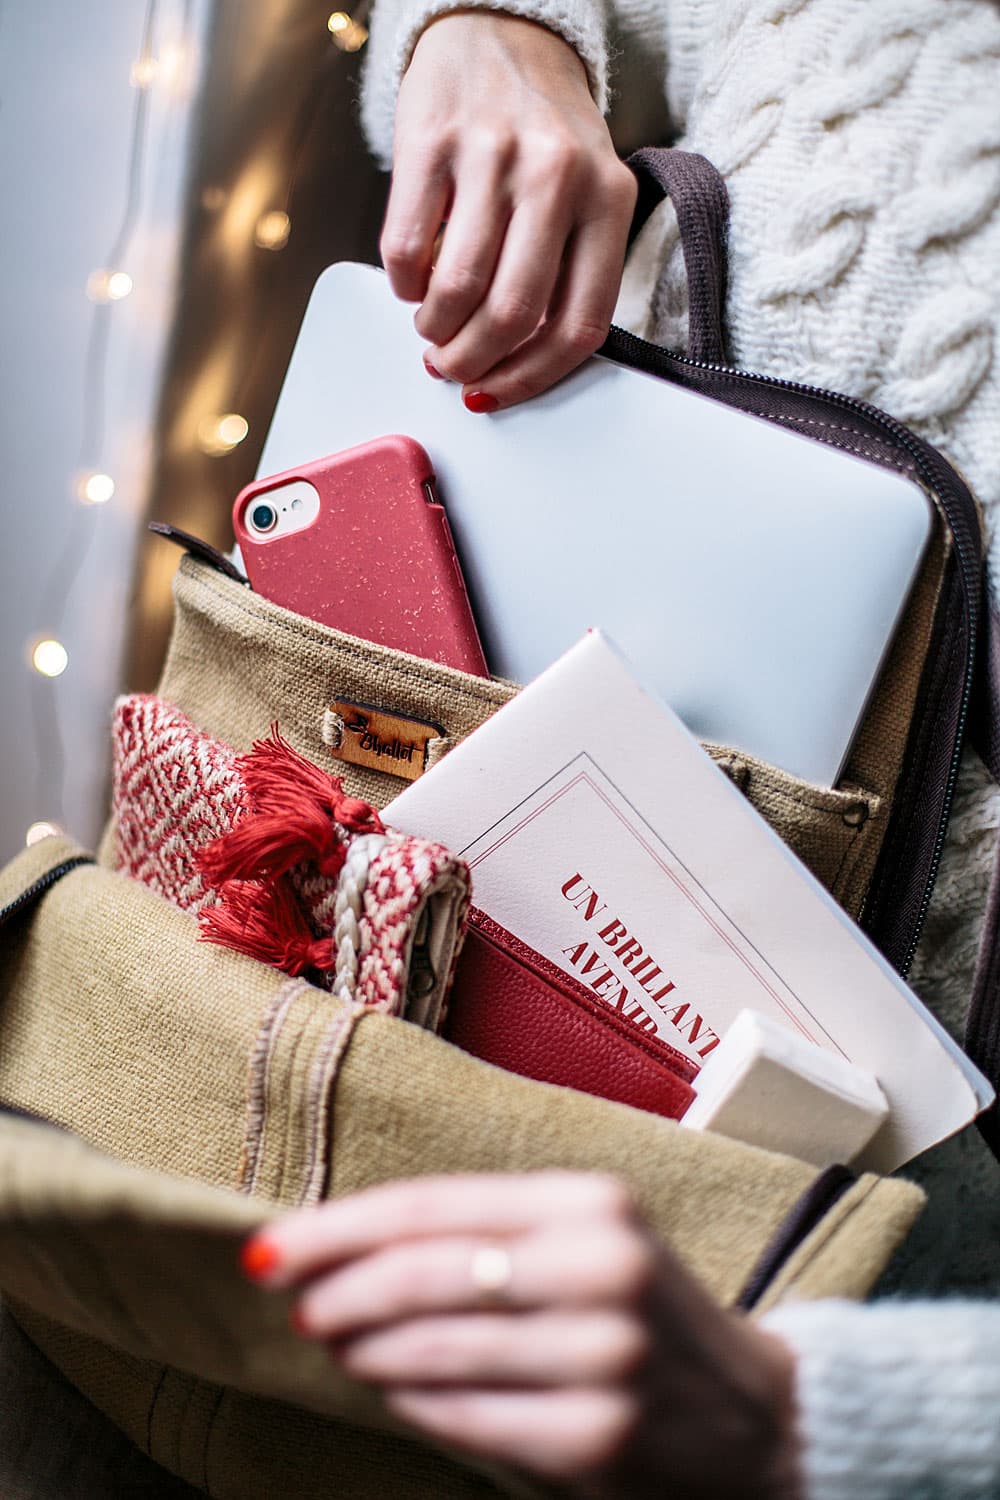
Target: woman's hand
[497, 134]
[535, 1320]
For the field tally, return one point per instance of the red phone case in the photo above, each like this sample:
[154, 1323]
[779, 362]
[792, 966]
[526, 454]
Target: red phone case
[378, 562]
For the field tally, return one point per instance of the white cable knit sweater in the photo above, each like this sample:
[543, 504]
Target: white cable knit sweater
[860, 141]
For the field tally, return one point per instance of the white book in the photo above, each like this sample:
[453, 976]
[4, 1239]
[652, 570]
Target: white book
[600, 833]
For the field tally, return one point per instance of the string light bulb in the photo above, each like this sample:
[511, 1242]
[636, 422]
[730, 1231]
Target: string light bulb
[39, 831]
[218, 435]
[95, 489]
[176, 67]
[143, 72]
[50, 658]
[108, 286]
[347, 33]
[272, 230]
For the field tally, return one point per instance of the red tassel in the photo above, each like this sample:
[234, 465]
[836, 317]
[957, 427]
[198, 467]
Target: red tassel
[265, 848]
[279, 781]
[266, 922]
[295, 814]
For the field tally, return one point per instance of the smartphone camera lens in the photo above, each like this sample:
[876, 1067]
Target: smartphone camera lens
[263, 517]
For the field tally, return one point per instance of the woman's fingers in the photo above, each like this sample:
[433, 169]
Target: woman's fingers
[497, 131]
[304, 1243]
[610, 1265]
[583, 1347]
[517, 297]
[559, 1434]
[470, 249]
[418, 203]
[578, 323]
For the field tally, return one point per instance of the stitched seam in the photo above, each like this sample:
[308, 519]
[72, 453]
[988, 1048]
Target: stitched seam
[875, 455]
[291, 1104]
[850, 845]
[731, 378]
[886, 453]
[298, 633]
[261, 1063]
[322, 1080]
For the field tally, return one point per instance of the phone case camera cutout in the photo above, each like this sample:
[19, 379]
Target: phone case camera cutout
[359, 541]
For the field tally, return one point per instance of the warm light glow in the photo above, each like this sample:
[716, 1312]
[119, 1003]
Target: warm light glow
[176, 70]
[144, 71]
[39, 831]
[50, 658]
[108, 286]
[233, 429]
[212, 198]
[219, 435]
[253, 193]
[96, 489]
[347, 34]
[272, 230]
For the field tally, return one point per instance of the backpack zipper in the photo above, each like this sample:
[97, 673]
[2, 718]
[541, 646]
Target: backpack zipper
[50, 878]
[961, 518]
[810, 1209]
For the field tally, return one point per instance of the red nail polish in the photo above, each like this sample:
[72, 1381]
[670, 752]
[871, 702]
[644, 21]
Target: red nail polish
[259, 1258]
[481, 401]
[432, 372]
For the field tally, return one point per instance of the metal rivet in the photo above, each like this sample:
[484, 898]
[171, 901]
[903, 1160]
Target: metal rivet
[856, 815]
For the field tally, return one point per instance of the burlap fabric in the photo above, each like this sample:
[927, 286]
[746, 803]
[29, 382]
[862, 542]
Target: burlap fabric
[204, 1065]
[236, 662]
[206, 1091]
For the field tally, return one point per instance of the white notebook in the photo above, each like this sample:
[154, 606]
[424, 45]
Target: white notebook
[752, 576]
[603, 836]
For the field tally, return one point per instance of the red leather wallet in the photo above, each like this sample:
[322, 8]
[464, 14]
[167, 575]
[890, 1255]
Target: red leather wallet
[512, 1007]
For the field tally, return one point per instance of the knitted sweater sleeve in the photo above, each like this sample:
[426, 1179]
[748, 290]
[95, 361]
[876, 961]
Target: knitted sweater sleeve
[396, 26]
[897, 1401]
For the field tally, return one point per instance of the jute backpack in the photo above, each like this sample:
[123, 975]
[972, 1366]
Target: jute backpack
[198, 1092]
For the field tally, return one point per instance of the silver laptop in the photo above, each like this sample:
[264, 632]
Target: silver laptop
[754, 578]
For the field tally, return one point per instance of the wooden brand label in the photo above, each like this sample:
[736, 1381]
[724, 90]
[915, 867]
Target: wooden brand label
[382, 741]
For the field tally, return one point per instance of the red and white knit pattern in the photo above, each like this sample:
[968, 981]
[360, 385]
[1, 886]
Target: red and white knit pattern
[177, 790]
[174, 791]
[402, 876]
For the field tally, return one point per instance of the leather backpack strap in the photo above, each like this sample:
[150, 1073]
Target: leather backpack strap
[701, 203]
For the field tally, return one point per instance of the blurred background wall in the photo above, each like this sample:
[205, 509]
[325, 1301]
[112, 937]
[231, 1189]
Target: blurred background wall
[174, 176]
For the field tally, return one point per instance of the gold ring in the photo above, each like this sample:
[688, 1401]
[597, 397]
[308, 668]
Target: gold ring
[492, 1271]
